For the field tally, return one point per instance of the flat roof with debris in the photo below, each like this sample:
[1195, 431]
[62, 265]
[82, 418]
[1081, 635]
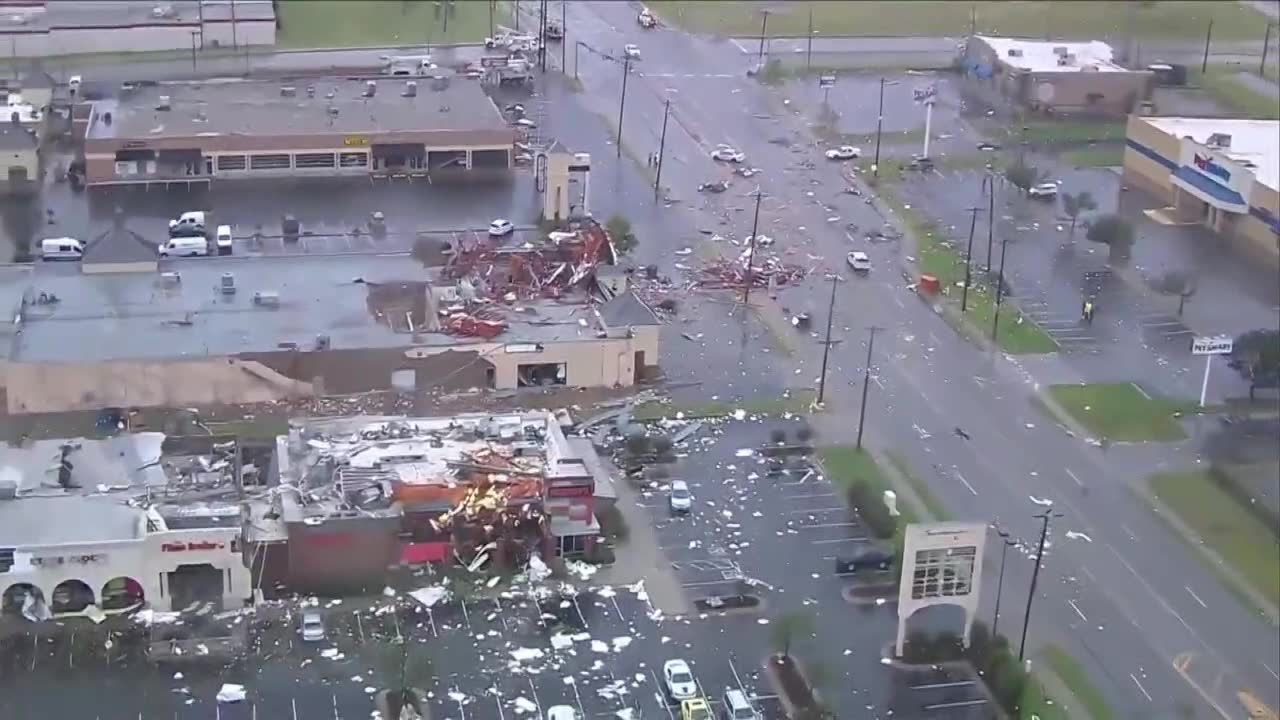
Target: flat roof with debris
[279, 303]
[311, 106]
[86, 490]
[1046, 56]
[1254, 143]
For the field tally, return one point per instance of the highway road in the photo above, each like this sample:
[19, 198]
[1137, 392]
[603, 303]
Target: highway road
[1157, 630]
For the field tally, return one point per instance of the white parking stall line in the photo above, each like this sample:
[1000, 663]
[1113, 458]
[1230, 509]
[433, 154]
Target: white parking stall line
[1194, 596]
[1145, 694]
[1273, 672]
[1075, 607]
[1073, 477]
[966, 483]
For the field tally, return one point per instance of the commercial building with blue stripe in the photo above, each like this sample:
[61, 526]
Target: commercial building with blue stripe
[1220, 172]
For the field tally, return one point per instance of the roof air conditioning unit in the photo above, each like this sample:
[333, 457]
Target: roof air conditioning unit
[164, 103]
[322, 342]
[1061, 50]
[311, 91]
[1015, 52]
[267, 298]
[1221, 140]
[228, 285]
[288, 91]
[333, 111]
[163, 11]
[370, 88]
[410, 89]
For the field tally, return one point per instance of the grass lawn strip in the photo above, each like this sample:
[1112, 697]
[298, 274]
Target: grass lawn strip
[1094, 156]
[921, 488]
[364, 23]
[1221, 83]
[1234, 534]
[1121, 412]
[935, 18]
[845, 464]
[1073, 675]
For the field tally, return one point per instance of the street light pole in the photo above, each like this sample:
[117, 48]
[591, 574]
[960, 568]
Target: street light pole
[808, 56]
[662, 149]
[1044, 518]
[1208, 35]
[577, 44]
[826, 344]
[764, 23]
[622, 104]
[194, 33]
[990, 182]
[866, 383]
[968, 257]
[564, 32]
[875, 165]
[1266, 41]
[751, 252]
[1004, 552]
[995, 321]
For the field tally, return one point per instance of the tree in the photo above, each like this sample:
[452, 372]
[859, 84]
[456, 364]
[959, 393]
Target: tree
[1115, 232]
[1256, 356]
[789, 628]
[619, 230]
[1022, 176]
[1073, 204]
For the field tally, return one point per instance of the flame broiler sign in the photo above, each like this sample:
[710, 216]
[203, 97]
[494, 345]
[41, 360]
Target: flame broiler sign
[191, 546]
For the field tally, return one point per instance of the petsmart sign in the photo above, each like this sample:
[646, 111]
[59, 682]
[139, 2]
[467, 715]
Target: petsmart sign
[1217, 167]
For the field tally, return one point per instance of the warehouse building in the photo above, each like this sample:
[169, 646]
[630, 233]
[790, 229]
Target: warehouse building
[195, 133]
[1056, 77]
[1221, 173]
[34, 29]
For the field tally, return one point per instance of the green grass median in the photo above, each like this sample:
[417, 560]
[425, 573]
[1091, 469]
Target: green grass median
[1122, 412]
[371, 23]
[1073, 675]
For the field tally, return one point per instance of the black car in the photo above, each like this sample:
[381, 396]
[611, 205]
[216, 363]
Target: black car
[863, 561]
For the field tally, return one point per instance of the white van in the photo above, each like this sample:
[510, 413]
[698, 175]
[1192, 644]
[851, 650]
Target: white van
[223, 239]
[63, 248]
[185, 247]
[192, 218]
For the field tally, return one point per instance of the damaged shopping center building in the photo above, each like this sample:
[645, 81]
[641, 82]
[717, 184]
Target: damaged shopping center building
[234, 331]
[351, 497]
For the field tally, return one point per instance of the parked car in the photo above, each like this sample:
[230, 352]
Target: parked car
[988, 146]
[695, 709]
[858, 261]
[187, 219]
[312, 626]
[222, 239]
[737, 706]
[646, 19]
[631, 51]
[501, 228]
[1044, 191]
[562, 712]
[680, 499]
[717, 186]
[185, 247]
[864, 560]
[726, 153]
[844, 152]
[679, 679]
[62, 248]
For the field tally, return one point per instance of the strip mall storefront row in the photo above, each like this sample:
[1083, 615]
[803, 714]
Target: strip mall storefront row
[168, 570]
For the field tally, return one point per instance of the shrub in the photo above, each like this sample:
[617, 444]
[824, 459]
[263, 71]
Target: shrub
[612, 524]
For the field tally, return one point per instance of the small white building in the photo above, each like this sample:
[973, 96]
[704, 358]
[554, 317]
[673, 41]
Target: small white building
[90, 526]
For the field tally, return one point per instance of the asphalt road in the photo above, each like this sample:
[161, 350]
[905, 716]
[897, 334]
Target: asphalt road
[1154, 603]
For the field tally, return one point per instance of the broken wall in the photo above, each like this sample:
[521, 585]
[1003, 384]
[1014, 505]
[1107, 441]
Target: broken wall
[342, 554]
[345, 372]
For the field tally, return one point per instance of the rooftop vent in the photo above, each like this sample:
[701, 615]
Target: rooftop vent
[410, 89]
[1061, 50]
[106, 118]
[333, 111]
[228, 285]
[331, 95]
[163, 11]
[164, 103]
[288, 91]
[171, 279]
[267, 298]
[311, 91]
[1015, 52]
[370, 88]
[1066, 60]
[322, 342]
[1220, 140]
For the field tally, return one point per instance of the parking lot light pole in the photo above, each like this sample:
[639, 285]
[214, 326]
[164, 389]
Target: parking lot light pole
[564, 33]
[990, 181]
[1266, 41]
[826, 344]
[622, 104]
[866, 383]
[194, 33]
[662, 149]
[875, 165]
[764, 24]
[1208, 36]
[1005, 544]
[1044, 518]
[995, 321]
[968, 259]
[751, 251]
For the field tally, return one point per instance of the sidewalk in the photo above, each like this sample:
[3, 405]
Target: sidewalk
[639, 557]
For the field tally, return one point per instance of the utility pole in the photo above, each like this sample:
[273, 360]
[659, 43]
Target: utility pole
[866, 383]
[875, 164]
[764, 24]
[626, 70]
[542, 36]
[564, 33]
[1208, 35]
[995, 321]
[1266, 41]
[194, 33]
[1044, 518]
[662, 149]
[826, 344]
[968, 257]
[808, 57]
[492, 5]
[234, 45]
[990, 182]
[751, 252]
[444, 29]
[1005, 544]
[515, 16]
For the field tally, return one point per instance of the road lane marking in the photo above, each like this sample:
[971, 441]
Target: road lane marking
[1145, 694]
[829, 525]
[1088, 574]
[1073, 477]
[838, 540]
[801, 497]
[814, 510]
[966, 484]
[1195, 596]
[1075, 607]
[1273, 672]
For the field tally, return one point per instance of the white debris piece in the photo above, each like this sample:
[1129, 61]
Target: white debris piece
[431, 595]
[231, 693]
[606, 592]
[560, 641]
[525, 705]
[620, 643]
[599, 646]
[744, 452]
[739, 414]
[1073, 535]
[538, 570]
[1040, 501]
[582, 571]
[493, 581]
[526, 654]
[388, 591]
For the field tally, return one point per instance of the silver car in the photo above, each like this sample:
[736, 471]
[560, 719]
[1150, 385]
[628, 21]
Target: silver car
[312, 627]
